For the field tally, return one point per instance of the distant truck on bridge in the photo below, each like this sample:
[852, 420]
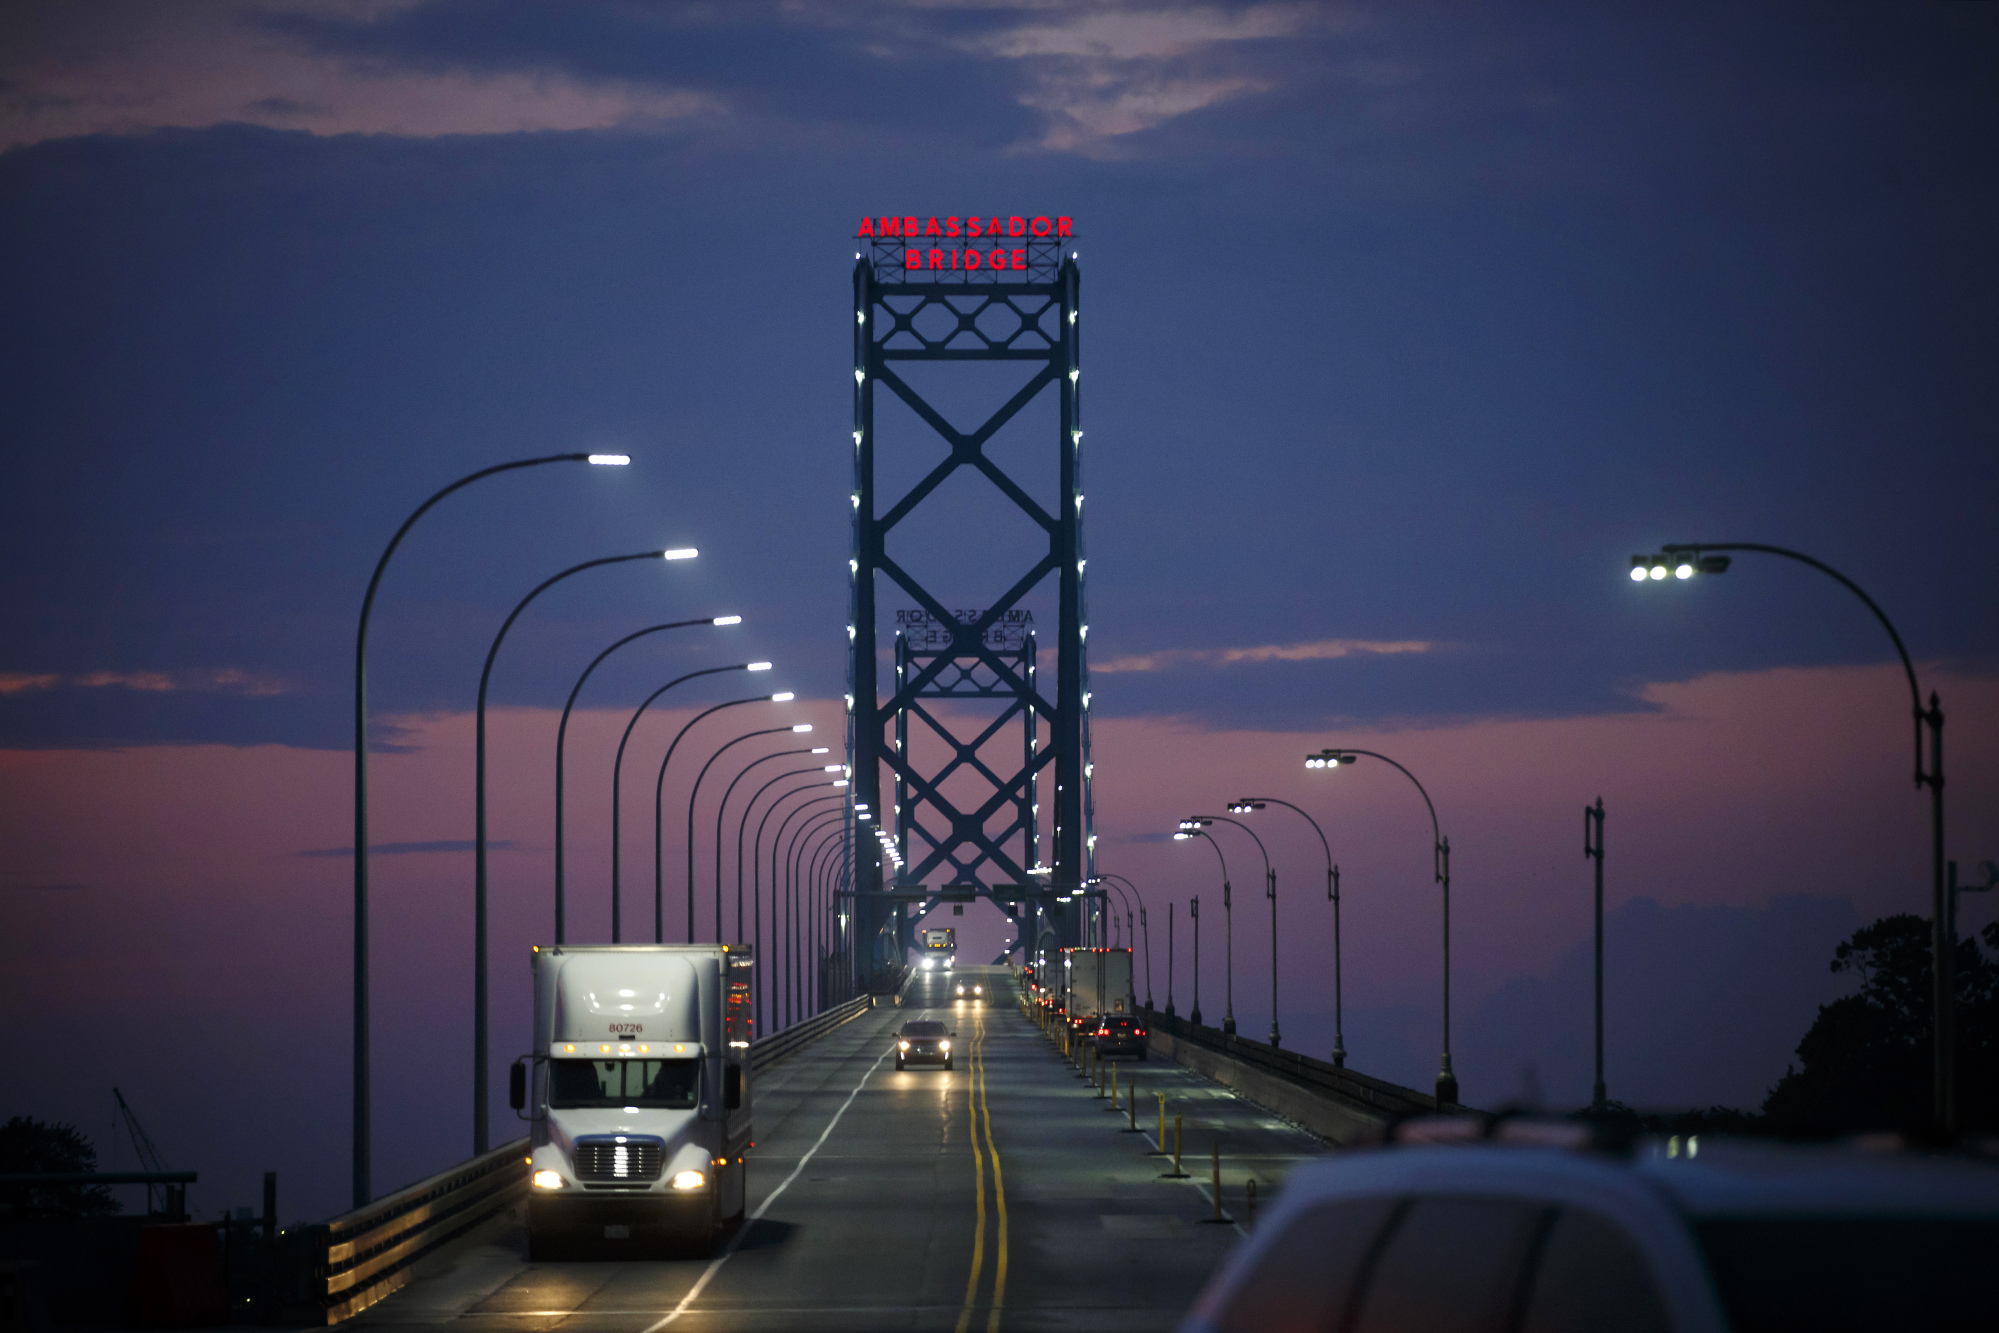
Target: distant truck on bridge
[1096, 983]
[940, 948]
[638, 1094]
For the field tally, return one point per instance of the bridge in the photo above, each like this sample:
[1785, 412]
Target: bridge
[1024, 1188]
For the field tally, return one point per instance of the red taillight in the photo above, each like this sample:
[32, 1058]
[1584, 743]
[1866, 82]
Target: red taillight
[1103, 1032]
[1139, 1033]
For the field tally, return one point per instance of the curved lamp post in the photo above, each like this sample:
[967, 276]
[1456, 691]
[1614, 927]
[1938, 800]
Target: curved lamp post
[694, 795]
[793, 868]
[479, 986]
[618, 778]
[723, 806]
[1440, 865]
[1251, 804]
[363, 1125]
[658, 822]
[777, 842]
[765, 979]
[1683, 560]
[562, 736]
[1131, 897]
[1228, 930]
[822, 861]
[1269, 891]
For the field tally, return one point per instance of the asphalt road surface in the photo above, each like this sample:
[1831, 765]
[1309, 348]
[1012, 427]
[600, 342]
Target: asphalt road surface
[1005, 1194]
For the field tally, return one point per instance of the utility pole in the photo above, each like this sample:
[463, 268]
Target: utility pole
[1593, 849]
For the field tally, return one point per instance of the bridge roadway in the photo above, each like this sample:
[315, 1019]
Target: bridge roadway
[1003, 1194]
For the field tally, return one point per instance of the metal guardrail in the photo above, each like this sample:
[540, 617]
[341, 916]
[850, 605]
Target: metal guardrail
[340, 1268]
[780, 1044]
[1378, 1096]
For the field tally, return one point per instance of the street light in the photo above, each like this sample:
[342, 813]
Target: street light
[1192, 828]
[756, 900]
[479, 987]
[777, 841]
[723, 806]
[1270, 892]
[756, 875]
[363, 1151]
[825, 821]
[1250, 804]
[658, 796]
[1440, 867]
[562, 735]
[617, 787]
[694, 795]
[1686, 559]
[1144, 929]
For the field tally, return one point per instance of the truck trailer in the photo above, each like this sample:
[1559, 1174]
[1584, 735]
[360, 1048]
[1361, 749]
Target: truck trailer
[1096, 982]
[638, 1096]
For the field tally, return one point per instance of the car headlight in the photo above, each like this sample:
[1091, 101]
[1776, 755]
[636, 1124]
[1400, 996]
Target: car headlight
[943, 1045]
[902, 1045]
[549, 1180]
[689, 1180]
[978, 990]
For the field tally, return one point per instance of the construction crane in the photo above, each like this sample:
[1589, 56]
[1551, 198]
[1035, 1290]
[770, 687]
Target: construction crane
[173, 1197]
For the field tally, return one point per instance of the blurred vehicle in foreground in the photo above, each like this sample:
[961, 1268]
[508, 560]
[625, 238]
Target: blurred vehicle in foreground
[1691, 1235]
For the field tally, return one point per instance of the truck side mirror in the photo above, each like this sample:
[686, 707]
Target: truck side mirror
[732, 1088]
[517, 1085]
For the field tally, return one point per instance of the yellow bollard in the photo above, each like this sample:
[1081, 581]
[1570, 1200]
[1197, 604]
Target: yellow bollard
[1131, 1104]
[1162, 1122]
[1215, 1162]
[1176, 1173]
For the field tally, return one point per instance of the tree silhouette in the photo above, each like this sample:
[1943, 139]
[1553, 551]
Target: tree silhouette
[1865, 1062]
[30, 1146]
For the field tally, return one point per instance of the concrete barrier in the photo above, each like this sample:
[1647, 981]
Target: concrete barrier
[1337, 1104]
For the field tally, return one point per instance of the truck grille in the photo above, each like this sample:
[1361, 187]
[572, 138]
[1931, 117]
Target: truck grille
[619, 1158]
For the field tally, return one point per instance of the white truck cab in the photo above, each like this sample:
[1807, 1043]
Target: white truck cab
[638, 1091]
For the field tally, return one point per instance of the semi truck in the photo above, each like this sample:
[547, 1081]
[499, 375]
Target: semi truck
[940, 947]
[638, 1096]
[1096, 982]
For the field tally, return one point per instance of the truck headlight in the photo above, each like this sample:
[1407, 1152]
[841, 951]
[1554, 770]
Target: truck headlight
[689, 1180]
[902, 1045]
[943, 1045]
[548, 1180]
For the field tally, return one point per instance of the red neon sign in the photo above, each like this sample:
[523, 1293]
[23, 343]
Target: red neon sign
[913, 232]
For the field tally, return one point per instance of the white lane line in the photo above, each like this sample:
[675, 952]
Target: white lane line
[708, 1274]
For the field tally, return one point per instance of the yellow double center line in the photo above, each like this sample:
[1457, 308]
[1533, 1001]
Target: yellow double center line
[980, 1113]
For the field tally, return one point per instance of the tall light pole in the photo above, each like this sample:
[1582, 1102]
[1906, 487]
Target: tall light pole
[618, 778]
[800, 839]
[1593, 849]
[1194, 915]
[723, 806]
[1251, 804]
[363, 1169]
[1683, 560]
[1270, 892]
[1146, 931]
[658, 821]
[561, 745]
[480, 1131]
[1169, 960]
[777, 841]
[1440, 867]
[756, 880]
[694, 795]
[1228, 932]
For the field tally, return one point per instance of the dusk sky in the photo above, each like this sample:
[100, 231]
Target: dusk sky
[1407, 326]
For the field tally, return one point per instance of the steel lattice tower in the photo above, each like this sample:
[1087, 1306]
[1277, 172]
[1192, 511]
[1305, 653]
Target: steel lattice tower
[1027, 316]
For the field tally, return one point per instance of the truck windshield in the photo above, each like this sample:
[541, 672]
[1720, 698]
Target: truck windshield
[580, 1083]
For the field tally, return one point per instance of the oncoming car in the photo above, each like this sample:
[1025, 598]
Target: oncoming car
[1690, 1235]
[923, 1041]
[971, 991]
